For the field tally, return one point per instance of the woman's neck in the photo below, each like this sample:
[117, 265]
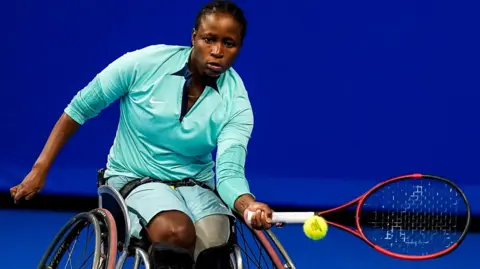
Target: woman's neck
[199, 80]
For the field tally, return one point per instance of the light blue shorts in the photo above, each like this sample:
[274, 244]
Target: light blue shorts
[152, 198]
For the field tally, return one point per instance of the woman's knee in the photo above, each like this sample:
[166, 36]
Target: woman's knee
[173, 227]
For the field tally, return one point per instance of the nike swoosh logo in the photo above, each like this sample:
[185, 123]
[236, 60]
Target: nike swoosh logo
[153, 101]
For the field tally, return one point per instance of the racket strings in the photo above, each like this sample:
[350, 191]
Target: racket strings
[414, 217]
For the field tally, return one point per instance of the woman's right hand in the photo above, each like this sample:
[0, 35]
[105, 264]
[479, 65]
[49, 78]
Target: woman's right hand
[30, 186]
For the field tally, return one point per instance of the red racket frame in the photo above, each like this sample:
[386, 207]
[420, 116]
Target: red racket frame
[361, 200]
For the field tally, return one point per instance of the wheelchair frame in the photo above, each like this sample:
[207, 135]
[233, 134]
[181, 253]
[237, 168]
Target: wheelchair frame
[107, 195]
[111, 200]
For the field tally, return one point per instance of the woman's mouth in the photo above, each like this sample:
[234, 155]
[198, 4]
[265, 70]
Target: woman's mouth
[214, 66]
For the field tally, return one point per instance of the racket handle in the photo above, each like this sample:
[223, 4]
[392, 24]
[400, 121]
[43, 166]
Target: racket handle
[285, 217]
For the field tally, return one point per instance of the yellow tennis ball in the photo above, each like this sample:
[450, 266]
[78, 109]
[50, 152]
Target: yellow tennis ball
[315, 227]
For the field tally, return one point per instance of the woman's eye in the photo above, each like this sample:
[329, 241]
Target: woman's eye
[229, 44]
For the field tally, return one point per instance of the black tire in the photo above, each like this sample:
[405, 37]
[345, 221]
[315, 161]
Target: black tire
[64, 238]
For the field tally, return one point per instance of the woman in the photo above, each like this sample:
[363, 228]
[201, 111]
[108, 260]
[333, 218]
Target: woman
[177, 104]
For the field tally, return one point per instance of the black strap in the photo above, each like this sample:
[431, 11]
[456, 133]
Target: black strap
[188, 182]
[165, 255]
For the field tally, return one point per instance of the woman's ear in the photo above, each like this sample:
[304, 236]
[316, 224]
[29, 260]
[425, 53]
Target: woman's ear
[194, 34]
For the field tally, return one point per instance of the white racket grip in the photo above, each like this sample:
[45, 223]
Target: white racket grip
[285, 217]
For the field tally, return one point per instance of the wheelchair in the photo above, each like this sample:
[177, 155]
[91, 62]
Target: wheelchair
[113, 245]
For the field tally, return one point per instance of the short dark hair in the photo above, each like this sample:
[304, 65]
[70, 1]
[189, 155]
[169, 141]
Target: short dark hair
[223, 7]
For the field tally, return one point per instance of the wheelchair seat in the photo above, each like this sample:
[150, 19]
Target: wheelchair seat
[112, 200]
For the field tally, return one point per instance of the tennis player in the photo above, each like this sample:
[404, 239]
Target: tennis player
[177, 104]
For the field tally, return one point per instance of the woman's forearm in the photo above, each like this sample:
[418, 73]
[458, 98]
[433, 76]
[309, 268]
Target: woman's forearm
[61, 132]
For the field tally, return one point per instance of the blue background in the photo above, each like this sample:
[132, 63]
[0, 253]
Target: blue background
[345, 93]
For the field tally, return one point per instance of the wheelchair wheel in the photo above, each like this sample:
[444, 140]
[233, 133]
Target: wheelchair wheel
[261, 249]
[99, 254]
[108, 228]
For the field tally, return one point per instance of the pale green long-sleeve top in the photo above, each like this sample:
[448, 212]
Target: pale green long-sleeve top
[151, 140]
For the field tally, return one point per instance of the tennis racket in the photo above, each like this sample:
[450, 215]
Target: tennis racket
[411, 217]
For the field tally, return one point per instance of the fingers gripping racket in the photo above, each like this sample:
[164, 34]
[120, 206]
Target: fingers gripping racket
[411, 217]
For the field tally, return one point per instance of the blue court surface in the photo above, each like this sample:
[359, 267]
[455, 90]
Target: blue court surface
[26, 235]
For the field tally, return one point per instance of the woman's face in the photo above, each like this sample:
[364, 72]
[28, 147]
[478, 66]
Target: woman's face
[216, 44]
